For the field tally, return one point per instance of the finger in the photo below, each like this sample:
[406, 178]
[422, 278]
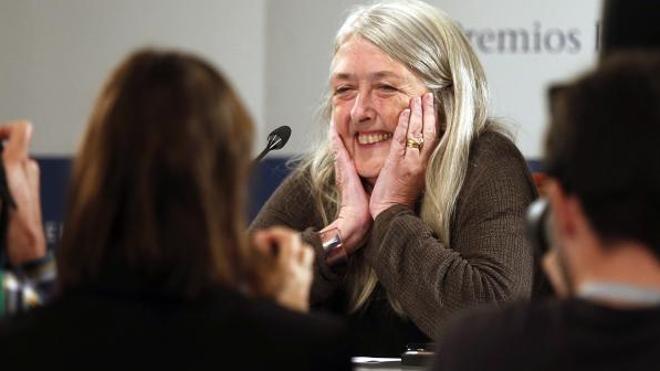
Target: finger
[261, 242]
[342, 159]
[398, 146]
[286, 252]
[416, 119]
[300, 253]
[33, 175]
[19, 140]
[334, 136]
[286, 242]
[6, 128]
[338, 146]
[429, 133]
[296, 243]
[307, 257]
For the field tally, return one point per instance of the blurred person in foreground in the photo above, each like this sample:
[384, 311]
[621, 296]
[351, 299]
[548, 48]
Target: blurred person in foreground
[604, 192]
[155, 262]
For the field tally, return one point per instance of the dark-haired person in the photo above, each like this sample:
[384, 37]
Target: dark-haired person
[602, 156]
[154, 250]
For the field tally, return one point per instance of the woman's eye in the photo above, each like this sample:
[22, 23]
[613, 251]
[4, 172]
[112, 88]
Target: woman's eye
[387, 88]
[342, 90]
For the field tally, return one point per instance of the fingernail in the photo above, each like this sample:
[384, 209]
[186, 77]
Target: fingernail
[429, 96]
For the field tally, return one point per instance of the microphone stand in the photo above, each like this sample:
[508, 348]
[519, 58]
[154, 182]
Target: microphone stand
[272, 144]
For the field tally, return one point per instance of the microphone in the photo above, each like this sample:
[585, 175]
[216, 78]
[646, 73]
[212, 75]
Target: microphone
[276, 140]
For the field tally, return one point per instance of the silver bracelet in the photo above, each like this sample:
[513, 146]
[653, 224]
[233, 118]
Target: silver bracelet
[335, 254]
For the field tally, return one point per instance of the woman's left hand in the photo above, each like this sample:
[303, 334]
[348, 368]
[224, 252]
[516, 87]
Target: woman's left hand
[25, 236]
[401, 179]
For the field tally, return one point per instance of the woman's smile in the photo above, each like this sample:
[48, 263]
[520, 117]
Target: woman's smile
[373, 138]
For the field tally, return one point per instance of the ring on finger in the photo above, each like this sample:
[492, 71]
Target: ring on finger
[415, 143]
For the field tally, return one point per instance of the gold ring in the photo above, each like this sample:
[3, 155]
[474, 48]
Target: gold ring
[415, 143]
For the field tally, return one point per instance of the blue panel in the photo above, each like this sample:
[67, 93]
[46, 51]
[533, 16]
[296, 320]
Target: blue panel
[535, 165]
[266, 177]
[55, 173]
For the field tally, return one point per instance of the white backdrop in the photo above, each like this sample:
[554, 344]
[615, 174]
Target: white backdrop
[55, 54]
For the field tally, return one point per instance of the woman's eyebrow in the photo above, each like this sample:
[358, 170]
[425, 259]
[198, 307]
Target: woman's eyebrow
[372, 76]
[384, 74]
[342, 76]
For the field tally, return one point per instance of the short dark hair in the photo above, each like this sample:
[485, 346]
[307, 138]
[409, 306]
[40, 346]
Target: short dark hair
[156, 199]
[603, 146]
[629, 25]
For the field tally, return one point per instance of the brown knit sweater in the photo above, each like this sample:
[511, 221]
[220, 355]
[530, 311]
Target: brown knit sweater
[488, 259]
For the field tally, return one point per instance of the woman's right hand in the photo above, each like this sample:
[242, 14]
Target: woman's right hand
[281, 268]
[354, 219]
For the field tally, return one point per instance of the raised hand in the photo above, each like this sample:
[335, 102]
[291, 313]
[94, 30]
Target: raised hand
[354, 219]
[281, 268]
[25, 236]
[401, 180]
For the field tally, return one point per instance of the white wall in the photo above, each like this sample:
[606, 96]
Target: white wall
[54, 55]
[519, 80]
[299, 49]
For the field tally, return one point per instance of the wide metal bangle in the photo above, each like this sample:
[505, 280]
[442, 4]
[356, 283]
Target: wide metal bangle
[335, 254]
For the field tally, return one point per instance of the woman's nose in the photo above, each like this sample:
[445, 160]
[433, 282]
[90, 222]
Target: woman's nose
[363, 109]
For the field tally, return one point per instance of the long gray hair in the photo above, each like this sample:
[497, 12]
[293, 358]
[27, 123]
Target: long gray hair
[433, 47]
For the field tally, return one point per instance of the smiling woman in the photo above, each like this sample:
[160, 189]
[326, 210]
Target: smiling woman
[369, 90]
[415, 203]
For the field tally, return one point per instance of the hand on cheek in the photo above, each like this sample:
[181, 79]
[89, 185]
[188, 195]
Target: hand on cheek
[354, 219]
[401, 179]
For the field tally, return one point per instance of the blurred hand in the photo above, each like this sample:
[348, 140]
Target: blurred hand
[25, 236]
[282, 268]
[354, 220]
[401, 180]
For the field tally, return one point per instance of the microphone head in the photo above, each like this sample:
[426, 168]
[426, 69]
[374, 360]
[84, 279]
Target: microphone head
[278, 137]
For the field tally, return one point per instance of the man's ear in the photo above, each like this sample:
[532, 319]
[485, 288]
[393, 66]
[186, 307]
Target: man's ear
[563, 210]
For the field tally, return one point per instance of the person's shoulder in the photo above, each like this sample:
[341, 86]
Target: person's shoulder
[282, 335]
[494, 144]
[497, 336]
[495, 321]
[267, 319]
[494, 157]
[515, 317]
[223, 324]
[298, 327]
[39, 330]
[496, 167]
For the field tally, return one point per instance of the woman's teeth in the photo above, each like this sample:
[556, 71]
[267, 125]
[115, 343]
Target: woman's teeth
[373, 138]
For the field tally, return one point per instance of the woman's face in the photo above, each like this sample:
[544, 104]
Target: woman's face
[369, 91]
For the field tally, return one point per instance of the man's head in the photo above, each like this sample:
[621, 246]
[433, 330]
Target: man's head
[629, 25]
[602, 151]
